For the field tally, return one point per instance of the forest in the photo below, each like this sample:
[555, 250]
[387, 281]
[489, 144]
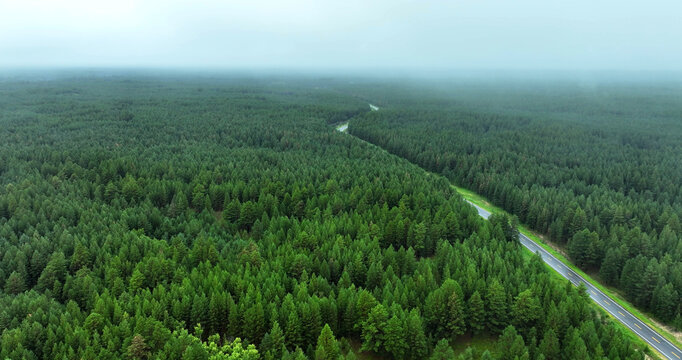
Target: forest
[595, 167]
[176, 217]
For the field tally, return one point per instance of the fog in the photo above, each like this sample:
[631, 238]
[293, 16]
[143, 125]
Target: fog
[350, 34]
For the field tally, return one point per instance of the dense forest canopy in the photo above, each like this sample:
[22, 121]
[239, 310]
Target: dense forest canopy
[176, 218]
[595, 166]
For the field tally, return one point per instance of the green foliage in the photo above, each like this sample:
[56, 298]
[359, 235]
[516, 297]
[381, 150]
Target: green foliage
[496, 308]
[374, 329]
[526, 309]
[476, 313]
[511, 344]
[294, 331]
[598, 172]
[15, 283]
[445, 310]
[231, 351]
[138, 348]
[327, 346]
[395, 340]
[234, 223]
[549, 346]
[273, 343]
[417, 345]
[443, 351]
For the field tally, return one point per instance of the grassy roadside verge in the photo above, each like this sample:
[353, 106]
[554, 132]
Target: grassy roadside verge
[483, 203]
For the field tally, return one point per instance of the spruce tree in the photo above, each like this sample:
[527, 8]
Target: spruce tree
[496, 309]
[395, 338]
[327, 346]
[476, 313]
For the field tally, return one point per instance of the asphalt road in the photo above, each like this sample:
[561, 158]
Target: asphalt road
[651, 337]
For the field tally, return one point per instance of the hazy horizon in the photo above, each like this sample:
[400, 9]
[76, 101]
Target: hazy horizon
[588, 78]
[352, 35]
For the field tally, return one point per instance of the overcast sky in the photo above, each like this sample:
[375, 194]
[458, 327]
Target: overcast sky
[448, 34]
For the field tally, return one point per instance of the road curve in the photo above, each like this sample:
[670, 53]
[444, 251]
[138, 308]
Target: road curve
[650, 336]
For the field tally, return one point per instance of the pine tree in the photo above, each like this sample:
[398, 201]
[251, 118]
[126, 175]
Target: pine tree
[293, 332]
[136, 281]
[455, 311]
[416, 339]
[311, 322]
[248, 215]
[131, 190]
[365, 303]
[526, 309]
[254, 323]
[138, 349]
[179, 204]
[200, 313]
[54, 270]
[327, 346]
[80, 258]
[416, 237]
[574, 347]
[231, 211]
[664, 301]
[511, 344]
[276, 341]
[476, 313]
[296, 355]
[110, 192]
[496, 309]
[611, 266]
[451, 230]
[647, 283]
[631, 276]
[212, 326]
[442, 351]
[394, 338]
[373, 329]
[15, 283]
[578, 248]
[578, 222]
[234, 325]
[198, 194]
[549, 346]
[374, 276]
[444, 310]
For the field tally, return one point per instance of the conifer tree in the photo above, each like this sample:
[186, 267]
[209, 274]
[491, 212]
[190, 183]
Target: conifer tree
[442, 351]
[496, 309]
[395, 338]
[293, 332]
[416, 339]
[476, 313]
[374, 329]
[327, 346]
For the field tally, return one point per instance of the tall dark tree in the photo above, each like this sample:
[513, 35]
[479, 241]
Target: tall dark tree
[476, 313]
[496, 307]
